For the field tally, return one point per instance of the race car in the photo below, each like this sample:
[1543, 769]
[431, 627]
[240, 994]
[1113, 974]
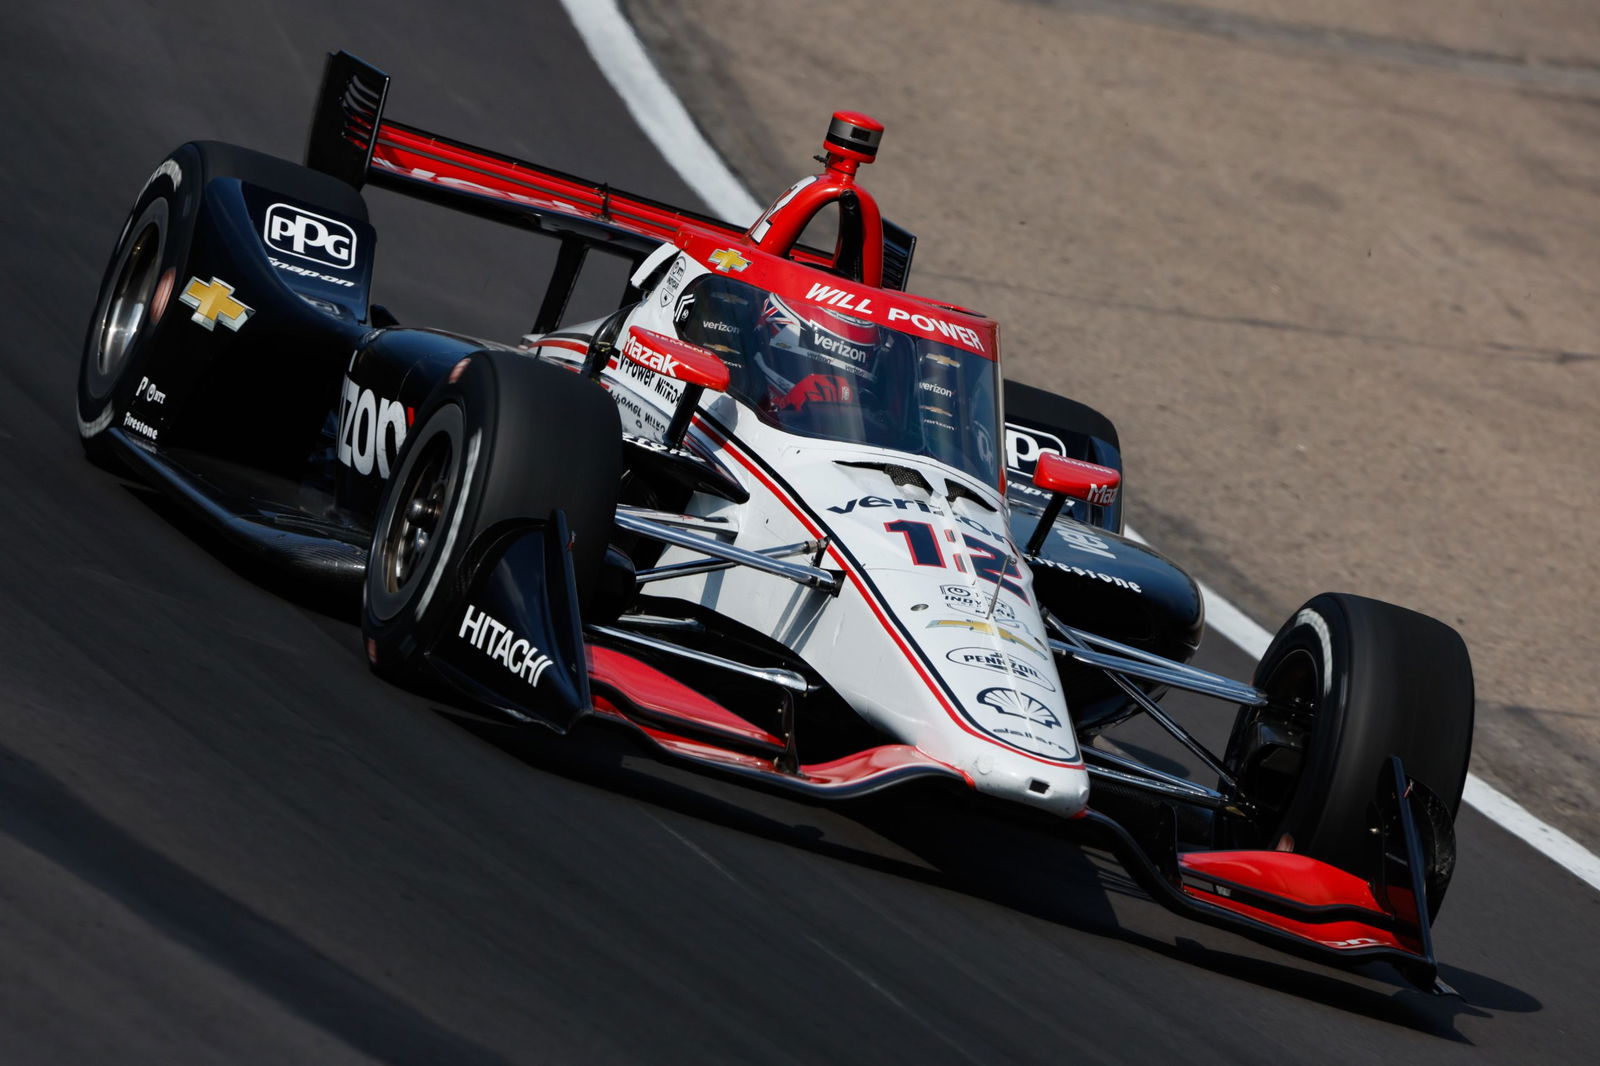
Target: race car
[775, 515]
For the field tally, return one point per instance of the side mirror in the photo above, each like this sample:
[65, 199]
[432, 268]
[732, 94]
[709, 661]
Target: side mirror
[1063, 477]
[1081, 480]
[691, 364]
[679, 360]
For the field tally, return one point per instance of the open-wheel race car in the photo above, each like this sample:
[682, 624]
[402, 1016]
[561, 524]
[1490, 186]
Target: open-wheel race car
[776, 515]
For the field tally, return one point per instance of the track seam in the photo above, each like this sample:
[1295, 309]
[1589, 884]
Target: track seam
[664, 119]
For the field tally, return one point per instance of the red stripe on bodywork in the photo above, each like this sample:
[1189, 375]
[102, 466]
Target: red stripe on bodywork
[870, 597]
[574, 346]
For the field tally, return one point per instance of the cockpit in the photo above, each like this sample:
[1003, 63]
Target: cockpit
[816, 370]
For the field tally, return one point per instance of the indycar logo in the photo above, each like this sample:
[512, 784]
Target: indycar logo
[1001, 663]
[673, 281]
[213, 302]
[371, 429]
[497, 640]
[308, 235]
[1018, 720]
[969, 600]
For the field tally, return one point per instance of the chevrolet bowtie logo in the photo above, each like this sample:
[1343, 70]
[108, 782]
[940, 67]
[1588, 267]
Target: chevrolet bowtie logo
[213, 300]
[729, 260]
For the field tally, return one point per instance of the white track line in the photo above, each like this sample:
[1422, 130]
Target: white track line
[621, 57]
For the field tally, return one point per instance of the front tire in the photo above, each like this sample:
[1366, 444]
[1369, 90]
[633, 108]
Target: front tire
[1351, 682]
[505, 440]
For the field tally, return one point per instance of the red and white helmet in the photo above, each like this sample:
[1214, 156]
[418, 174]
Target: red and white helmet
[802, 339]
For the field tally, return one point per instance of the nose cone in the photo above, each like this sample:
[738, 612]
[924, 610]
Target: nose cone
[1005, 718]
[939, 641]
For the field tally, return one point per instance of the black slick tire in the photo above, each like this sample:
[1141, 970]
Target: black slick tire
[1353, 681]
[505, 440]
[148, 268]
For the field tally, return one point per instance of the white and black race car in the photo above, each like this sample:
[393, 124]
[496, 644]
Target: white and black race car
[774, 514]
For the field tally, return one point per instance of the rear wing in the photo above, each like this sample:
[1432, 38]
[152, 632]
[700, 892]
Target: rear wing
[352, 140]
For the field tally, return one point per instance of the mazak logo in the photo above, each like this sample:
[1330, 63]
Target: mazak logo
[1104, 495]
[649, 358]
[308, 235]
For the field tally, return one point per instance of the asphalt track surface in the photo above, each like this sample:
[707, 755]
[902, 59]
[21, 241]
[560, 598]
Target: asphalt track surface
[221, 840]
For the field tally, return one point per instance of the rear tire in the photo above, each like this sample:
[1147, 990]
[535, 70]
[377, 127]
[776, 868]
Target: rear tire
[148, 268]
[1353, 681]
[507, 439]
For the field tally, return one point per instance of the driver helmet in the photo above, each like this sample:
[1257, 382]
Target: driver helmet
[800, 340]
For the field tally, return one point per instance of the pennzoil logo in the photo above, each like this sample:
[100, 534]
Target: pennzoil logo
[213, 302]
[1000, 662]
[728, 260]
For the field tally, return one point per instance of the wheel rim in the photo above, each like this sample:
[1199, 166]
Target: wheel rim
[1270, 761]
[418, 517]
[127, 310]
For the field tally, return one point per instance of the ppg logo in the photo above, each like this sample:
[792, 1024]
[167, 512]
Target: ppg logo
[295, 231]
[1023, 447]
